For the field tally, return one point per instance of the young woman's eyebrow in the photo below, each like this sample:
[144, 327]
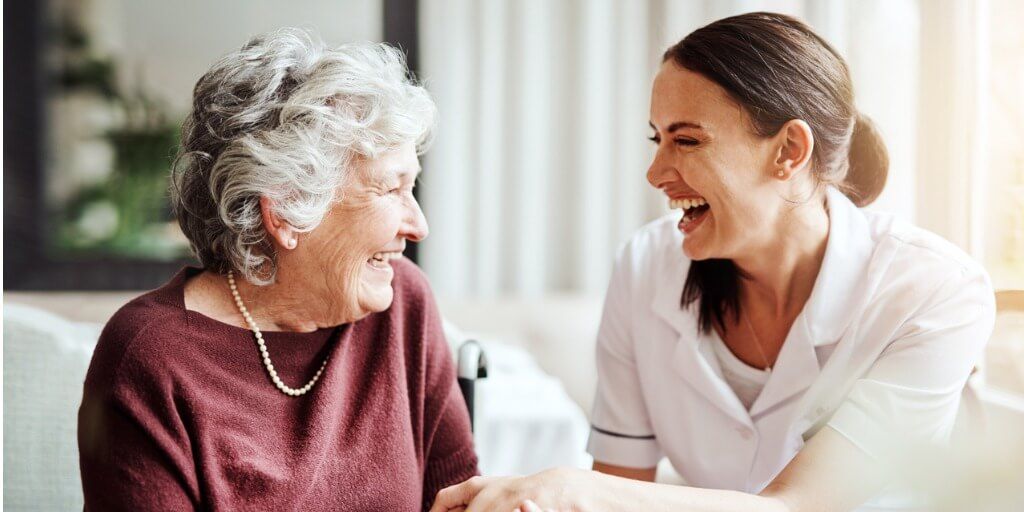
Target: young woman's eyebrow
[678, 125]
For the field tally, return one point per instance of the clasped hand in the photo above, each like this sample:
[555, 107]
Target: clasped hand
[554, 490]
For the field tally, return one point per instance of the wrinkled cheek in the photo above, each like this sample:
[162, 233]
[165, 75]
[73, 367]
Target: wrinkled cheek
[342, 273]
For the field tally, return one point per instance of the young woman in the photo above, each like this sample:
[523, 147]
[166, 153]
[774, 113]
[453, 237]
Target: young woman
[775, 342]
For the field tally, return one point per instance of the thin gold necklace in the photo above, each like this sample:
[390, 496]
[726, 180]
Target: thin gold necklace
[757, 343]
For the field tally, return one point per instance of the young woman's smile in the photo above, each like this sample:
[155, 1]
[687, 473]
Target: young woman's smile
[695, 210]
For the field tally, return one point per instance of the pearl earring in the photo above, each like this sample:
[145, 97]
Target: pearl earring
[781, 173]
[292, 243]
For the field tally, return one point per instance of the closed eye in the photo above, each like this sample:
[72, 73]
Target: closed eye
[680, 141]
[402, 189]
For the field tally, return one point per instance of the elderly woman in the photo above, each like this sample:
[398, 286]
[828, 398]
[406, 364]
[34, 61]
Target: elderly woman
[303, 367]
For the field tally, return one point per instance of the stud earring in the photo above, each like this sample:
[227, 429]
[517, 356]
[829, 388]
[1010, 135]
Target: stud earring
[292, 243]
[781, 173]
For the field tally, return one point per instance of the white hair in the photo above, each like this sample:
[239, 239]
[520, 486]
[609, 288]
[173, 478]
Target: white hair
[285, 117]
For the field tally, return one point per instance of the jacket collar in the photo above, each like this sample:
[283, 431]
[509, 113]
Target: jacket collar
[838, 289]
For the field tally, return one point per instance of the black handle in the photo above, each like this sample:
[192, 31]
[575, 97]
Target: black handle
[467, 387]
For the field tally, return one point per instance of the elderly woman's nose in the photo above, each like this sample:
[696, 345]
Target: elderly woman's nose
[415, 226]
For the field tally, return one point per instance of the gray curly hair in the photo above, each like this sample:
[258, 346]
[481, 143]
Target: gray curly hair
[285, 117]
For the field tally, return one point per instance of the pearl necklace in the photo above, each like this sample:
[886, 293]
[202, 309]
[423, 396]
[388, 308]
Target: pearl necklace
[263, 347]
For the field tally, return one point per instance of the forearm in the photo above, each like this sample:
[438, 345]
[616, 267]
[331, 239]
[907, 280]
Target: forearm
[622, 494]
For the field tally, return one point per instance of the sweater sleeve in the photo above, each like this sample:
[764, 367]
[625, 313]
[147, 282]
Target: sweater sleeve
[449, 455]
[133, 452]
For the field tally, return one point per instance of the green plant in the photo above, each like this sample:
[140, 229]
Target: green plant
[127, 213]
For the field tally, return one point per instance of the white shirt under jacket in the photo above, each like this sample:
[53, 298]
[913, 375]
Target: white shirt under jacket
[897, 319]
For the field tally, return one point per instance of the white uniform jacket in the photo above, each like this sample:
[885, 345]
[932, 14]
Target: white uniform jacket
[897, 319]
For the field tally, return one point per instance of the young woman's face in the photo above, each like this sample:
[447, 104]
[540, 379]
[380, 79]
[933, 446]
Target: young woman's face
[711, 163]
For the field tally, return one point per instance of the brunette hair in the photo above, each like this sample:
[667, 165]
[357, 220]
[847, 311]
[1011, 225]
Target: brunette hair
[778, 69]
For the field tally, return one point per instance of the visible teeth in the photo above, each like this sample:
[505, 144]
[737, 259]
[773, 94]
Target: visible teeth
[686, 204]
[385, 256]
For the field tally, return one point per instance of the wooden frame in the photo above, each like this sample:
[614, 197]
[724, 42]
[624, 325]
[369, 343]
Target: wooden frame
[1009, 300]
[28, 264]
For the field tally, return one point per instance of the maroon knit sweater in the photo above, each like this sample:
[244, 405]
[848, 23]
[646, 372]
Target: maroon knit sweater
[179, 413]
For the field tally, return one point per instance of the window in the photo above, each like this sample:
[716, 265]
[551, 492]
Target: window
[1002, 249]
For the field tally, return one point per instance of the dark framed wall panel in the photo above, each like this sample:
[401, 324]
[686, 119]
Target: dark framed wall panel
[401, 18]
[28, 264]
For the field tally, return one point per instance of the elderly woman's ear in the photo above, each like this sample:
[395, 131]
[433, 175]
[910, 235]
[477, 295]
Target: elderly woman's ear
[277, 229]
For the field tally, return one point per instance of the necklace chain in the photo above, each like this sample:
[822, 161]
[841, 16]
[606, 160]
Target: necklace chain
[757, 343]
[263, 347]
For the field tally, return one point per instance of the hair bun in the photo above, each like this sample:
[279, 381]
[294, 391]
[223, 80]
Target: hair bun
[869, 163]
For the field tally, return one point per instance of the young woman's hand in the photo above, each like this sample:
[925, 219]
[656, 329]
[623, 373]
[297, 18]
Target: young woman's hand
[559, 489]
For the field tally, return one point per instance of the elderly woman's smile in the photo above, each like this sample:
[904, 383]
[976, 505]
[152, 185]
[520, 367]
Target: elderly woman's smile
[382, 260]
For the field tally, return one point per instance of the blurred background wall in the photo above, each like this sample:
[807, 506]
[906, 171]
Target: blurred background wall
[538, 172]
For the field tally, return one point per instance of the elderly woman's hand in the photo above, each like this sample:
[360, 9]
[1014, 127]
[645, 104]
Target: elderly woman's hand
[560, 489]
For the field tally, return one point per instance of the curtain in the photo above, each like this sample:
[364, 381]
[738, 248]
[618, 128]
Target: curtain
[538, 169]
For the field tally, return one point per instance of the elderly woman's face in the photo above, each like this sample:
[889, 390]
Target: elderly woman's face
[709, 156]
[367, 228]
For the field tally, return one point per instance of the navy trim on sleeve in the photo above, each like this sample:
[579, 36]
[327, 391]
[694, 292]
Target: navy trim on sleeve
[616, 434]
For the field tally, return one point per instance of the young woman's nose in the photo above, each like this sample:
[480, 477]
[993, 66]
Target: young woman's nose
[661, 172]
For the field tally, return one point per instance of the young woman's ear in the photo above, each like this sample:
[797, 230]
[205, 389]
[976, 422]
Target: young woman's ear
[795, 145]
[279, 231]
